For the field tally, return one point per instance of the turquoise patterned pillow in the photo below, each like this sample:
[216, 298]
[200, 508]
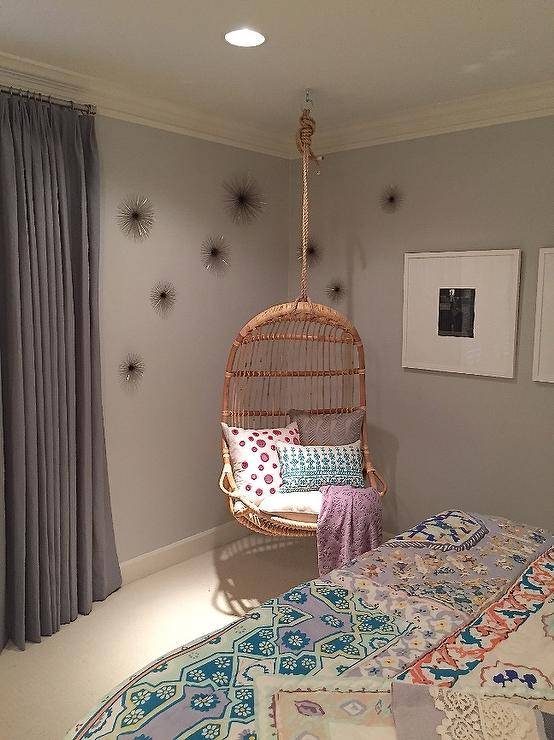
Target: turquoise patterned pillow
[308, 468]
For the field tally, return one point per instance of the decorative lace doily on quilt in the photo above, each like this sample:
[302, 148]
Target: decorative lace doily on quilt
[468, 717]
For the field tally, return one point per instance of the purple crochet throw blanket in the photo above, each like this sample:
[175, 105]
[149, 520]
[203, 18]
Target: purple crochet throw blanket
[349, 524]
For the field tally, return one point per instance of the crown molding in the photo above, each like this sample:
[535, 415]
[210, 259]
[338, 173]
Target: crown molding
[115, 101]
[477, 111]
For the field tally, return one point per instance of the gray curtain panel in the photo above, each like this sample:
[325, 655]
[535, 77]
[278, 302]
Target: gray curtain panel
[60, 547]
[3, 625]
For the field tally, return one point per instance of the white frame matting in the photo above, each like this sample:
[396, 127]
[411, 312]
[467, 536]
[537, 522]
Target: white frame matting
[494, 274]
[543, 353]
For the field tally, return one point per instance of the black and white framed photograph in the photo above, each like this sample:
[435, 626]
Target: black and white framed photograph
[543, 354]
[460, 311]
[456, 312]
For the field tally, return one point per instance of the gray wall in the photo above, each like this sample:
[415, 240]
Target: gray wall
[163, 438]
[443, 440]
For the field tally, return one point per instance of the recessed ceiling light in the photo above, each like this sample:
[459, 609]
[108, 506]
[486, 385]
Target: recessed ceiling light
[244, 37]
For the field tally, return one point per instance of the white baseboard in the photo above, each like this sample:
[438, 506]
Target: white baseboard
[196, 544]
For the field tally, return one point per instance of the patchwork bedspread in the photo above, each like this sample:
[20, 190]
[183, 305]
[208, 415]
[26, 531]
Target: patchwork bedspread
[461, 599]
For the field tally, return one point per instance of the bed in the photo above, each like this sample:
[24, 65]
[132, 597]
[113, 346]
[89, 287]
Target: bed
[460, 600]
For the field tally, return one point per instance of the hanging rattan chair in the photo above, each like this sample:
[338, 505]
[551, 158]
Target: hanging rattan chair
[297, 355]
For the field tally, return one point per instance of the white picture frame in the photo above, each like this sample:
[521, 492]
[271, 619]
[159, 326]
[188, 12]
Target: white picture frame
[543, 350]
[489, 282]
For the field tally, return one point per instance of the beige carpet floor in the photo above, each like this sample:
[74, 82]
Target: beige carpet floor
[48, 687]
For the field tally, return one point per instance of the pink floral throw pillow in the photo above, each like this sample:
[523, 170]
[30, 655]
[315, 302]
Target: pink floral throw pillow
[255, 459]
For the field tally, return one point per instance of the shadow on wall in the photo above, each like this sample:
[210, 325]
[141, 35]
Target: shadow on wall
[257, 568]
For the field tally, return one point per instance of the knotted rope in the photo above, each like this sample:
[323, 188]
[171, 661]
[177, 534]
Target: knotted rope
[304, 144]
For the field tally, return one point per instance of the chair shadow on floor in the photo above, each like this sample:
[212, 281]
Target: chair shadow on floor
[257, 568]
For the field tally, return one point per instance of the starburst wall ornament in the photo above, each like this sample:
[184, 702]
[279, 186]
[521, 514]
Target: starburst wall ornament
[215, 254]
[135, 216]
[162, 297]
[391, 199]
[313, 253]
[335, 291]
[131, 369]
[243, 199]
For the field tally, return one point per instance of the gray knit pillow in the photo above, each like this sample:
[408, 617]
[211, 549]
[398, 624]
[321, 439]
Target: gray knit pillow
[328, 429]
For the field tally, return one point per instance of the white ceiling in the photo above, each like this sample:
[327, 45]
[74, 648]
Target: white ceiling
[365, 60]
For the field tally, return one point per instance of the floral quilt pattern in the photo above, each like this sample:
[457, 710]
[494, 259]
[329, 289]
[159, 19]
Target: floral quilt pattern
[208, 688]
[465, 651]
[405, 611]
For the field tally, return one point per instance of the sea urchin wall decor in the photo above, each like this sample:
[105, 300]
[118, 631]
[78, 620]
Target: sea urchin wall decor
[313, 253]
[391, 199]
[135, 216]
[162, 297]
[215, 254]
[335, 291]
[131, 369]
[243, 199]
